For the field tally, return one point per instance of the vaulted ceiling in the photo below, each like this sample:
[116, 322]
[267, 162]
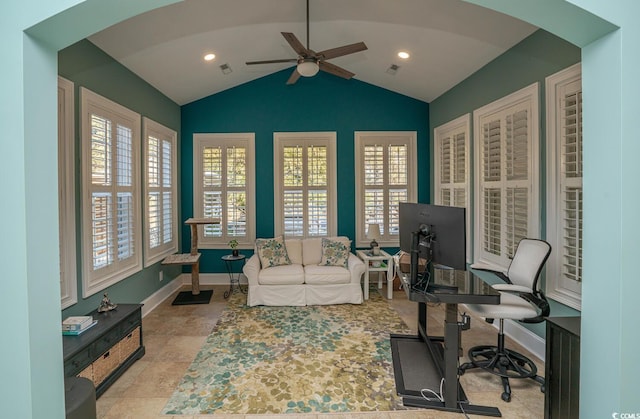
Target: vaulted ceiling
[447, 40]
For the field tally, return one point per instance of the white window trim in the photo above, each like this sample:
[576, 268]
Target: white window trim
[363, 137]
[280, 139]
[526, 94]
[67, 194]
[208, 139]
[94, 282]
[460, 124]
[556, 288]
[159, 131]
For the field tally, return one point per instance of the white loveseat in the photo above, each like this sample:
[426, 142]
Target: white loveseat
[304, 281]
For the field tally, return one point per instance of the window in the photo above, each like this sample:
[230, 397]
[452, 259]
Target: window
[111, 197]
[161, 203]
[507, 164]
[66, 194]
[305, 184]
[564, 185]
[386, 175]
[452, 168]
[224, 188]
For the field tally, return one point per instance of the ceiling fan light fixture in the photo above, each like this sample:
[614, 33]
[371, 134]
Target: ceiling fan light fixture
[308, 68]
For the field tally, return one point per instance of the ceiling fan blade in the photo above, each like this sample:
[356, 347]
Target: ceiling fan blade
[295, 44]
[340, 51]
[335, 70]
[284, 60]
[293, 77]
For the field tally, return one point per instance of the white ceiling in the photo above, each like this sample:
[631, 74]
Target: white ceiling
[448, 40]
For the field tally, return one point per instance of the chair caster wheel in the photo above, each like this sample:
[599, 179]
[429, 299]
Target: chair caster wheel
[542, 388]
[506, 397]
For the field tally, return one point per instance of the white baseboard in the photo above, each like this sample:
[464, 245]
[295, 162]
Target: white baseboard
[151, 302]
[525, 337]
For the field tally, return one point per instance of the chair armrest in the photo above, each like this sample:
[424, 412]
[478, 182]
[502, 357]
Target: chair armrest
[251, 269]
[356, 268]
[511, 288]
[539, 300]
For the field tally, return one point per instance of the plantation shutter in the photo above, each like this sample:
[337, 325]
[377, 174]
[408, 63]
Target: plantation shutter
[305, 184]
[160, 193]
[452, 166]
[112, 209]
[507, 207]
[385, 167]
[453, 170]
[492, 192]
[111, 213]
[224, 188]
[571, 138]
[305, 188]
[224, 184]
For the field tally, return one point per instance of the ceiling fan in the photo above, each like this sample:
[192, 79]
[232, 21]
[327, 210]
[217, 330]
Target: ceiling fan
[310, 62]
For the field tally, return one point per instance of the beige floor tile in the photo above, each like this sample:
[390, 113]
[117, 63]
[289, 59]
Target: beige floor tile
[158, 380]
[180, 348]
[173, 336]
[136, 408]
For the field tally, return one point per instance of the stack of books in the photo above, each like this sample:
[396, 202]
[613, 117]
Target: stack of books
[75, 325]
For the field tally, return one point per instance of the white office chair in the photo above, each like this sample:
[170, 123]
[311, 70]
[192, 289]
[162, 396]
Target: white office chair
[520, 299]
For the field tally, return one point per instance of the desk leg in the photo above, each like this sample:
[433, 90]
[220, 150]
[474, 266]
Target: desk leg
[390, 278]
[366, 280]
[451, 352]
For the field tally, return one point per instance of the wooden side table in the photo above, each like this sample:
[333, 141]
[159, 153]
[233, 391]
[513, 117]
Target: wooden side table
[377, 263]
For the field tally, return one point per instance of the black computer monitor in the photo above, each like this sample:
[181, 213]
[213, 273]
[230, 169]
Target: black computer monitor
[441, 232]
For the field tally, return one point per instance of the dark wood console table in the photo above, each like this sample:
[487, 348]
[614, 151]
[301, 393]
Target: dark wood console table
[562, 368]
[105, 351]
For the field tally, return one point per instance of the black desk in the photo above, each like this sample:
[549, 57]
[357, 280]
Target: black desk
[422, 361]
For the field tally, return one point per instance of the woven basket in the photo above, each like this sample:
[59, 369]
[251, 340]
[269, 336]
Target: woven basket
[87, 373]
[105, 365]
[129, 344]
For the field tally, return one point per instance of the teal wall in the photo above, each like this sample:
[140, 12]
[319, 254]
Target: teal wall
[86, 65]
[31, 359]
[324, 103]
[536, 57]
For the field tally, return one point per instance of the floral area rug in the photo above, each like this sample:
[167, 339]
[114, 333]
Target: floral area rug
[294, 360]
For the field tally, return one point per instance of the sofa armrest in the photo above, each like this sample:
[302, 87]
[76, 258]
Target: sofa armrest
[356, 268]
[251, 269]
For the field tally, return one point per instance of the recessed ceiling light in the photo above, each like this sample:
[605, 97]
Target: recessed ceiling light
[403, 54]
[209, 57]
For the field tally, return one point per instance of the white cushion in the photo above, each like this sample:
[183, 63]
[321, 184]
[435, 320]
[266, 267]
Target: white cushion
[281, 275]
[318, 275]
[311, 251]
[294, 250]
[511, 307]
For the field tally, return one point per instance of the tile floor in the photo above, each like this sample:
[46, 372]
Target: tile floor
[173, 336]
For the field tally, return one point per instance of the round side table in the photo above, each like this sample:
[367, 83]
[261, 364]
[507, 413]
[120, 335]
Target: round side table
[234, 277]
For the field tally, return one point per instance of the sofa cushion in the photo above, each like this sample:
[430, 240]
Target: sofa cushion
[312, 249]
[294, 250]
[318, 275]
[281, 275]
[334, 253]
[272, 252]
